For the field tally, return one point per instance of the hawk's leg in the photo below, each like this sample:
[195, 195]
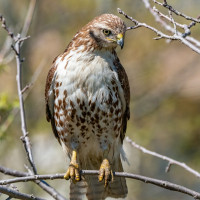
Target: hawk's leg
[105, 172]
[73, 169]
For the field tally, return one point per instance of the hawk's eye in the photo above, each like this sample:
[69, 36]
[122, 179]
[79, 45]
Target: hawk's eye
[106, 32]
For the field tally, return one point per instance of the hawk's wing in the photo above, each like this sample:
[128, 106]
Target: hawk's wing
[49, 98]
[123, 78]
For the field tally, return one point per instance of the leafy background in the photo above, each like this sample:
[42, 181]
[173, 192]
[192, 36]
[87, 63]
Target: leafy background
[165, 93]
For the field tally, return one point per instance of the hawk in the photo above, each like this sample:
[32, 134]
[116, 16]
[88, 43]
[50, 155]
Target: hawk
[87, 102]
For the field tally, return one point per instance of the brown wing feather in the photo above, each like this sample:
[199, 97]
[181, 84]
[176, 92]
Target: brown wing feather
[49, 115]
[123, 78]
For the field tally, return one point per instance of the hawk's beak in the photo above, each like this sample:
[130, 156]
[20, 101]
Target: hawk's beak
[120, 40]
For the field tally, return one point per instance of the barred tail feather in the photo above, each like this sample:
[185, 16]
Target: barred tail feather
[117, 189]
[96, 190]
[78, 190]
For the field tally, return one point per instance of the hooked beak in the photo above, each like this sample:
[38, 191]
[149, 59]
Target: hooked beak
[120, 40]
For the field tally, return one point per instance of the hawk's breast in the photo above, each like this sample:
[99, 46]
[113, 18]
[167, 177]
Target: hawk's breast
[87, 103]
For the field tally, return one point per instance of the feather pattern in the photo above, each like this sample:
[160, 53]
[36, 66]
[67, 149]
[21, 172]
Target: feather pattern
[87, 102]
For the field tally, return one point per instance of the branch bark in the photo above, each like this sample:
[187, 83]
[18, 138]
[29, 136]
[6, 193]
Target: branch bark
[176, 36]
[157, 182]
[18, 42]
[15, 194]
[12, 172]
[169, 7]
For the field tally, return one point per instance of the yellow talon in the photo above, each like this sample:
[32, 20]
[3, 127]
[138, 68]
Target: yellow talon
[105, 172]
[73, 170]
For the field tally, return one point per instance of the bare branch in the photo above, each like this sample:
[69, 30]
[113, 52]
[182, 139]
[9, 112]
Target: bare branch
[25, 137]
[170, 160]
[166, 5]
[50, 190]
[12, 172]
[159, 33]
[18, 41]
[157, 15]
[45, 186]
[26, 88]
[24, 32]
[4, 26]
[157, 182]
[16, 48]
[15, 194]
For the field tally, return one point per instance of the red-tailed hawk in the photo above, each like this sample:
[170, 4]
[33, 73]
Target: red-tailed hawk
[87, 102]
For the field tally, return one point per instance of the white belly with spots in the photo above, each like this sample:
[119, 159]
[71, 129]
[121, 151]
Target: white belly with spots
[88, 108]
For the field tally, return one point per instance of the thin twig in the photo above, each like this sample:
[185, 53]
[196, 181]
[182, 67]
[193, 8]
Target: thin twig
[170, 160]
[24, 32]
[169, 7]
[18, 195]
[25, 137]
[159, 33]
[50, 190]
[45, 186]
[18, 41]
[173, 22]
[157, 182]
[167, 17]
[26, 88]
[16, 48]
[4, 26]
[158, 15]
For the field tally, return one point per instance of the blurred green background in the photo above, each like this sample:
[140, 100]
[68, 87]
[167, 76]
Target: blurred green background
[165, 93]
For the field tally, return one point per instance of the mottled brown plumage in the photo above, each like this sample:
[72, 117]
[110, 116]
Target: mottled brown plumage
[87, 102]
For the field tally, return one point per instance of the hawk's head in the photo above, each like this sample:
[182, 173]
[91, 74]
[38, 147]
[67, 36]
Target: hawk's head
[107, 30]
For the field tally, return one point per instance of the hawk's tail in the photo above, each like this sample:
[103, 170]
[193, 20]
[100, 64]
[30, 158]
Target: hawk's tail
[78, 190]
[95, 190]
[118, 188]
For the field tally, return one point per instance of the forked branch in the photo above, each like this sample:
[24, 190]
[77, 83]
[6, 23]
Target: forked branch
[182, 37]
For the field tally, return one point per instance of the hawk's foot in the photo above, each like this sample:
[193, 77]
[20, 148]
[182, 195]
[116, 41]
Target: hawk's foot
[73, 169]
[105, 172]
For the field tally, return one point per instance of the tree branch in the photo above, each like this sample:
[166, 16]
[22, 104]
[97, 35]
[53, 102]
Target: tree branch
[157, 182]
[18, 42]
[158, 18]
[12, 172]
[170, 160]
[45, 186]
[50, 190]
[16, 48]
[169, 7]
[161, 35]
[25, 139]
[15, 194]
[24, 32]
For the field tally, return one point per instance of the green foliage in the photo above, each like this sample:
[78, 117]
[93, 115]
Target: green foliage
[5, 104]
[6, 112]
